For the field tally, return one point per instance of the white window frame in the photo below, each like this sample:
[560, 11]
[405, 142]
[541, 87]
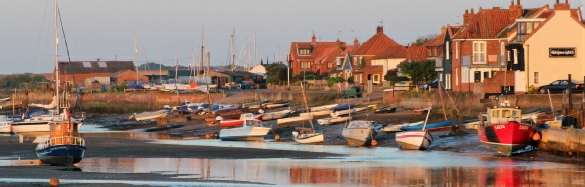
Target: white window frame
[515, 52]
[456, 50]
[536, 77]
[479, 52]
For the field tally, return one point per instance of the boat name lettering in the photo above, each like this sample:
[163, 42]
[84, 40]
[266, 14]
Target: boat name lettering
[499, 127]
[523, 127]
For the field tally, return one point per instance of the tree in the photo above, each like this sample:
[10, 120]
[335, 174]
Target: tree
[419, 71]
[362, 64]
[424, 39]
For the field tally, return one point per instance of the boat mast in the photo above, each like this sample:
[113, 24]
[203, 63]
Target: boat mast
[232, 55]
[307, 107]
[57, 79]
[136, 54]
[200, 68]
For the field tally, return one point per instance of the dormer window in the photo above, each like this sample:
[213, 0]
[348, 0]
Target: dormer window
[304, 52]
[525, 28]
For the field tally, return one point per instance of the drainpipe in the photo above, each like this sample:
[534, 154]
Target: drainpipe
[527, 55]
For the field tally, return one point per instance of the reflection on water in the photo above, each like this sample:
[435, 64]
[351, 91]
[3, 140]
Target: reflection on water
[336, 172]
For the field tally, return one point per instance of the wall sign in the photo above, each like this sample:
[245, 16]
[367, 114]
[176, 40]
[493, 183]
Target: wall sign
[561, 52]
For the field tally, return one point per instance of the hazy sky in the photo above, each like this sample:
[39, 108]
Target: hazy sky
[169, 29]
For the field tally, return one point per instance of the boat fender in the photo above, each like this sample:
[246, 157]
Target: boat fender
[374, 143]
[536, 136]
[295, 134]
[54, 182]
[277, 137]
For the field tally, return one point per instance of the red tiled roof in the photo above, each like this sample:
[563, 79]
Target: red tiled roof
[437, 41]
[487, 23]
[316, 48]
[392, 52]
[416, 53]
[376, 45]
[324, 54]
[369, 69]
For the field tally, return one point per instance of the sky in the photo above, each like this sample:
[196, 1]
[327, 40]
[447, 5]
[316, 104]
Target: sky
[169, 31]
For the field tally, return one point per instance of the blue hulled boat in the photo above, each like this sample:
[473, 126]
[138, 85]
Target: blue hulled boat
[342, 107]
[443, 125]
[63, 147]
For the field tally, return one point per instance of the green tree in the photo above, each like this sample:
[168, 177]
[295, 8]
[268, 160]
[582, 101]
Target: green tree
[424, 39]
[419, 71]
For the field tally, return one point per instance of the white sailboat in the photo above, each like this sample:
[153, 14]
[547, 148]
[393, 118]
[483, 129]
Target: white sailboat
[415, 140]
[311, 136]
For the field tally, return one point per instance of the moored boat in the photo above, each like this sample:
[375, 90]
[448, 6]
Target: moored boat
[439, 126]
[323, 107]
[251, 130]
[294, 120]
[319, 113]
[503, 130]
[239, 122]
[63, 146]
[5, 124]
[358, 133]
[414, 140]
[276, 104]
[333, 120]
[397, 127]
[276, 115]
[150, 115]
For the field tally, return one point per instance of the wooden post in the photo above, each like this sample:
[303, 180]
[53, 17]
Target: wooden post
[570, 96]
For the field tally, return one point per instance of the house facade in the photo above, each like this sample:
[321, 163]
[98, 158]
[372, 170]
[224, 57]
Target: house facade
[476, 52]
[78, 71]
[318, 57]
[547, 46]
[379, 54]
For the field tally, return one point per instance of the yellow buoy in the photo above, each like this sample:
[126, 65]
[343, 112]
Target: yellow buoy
[54, 182]
[374, 143]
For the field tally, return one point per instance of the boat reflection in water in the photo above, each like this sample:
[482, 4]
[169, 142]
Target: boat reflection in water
[337, 172]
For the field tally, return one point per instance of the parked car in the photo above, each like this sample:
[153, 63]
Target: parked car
[432, 84]
[560, 86]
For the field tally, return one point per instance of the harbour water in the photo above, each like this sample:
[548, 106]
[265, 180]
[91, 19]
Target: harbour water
[377, 166]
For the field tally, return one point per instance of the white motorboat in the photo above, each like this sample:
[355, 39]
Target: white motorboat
[252, 130]
[414, 140]
[358, 133]
[323, 107]
[40, 123]
[5, 124]
[333, 120]
[150, 115]
[276, 115]
[277, 104]
[396, 127]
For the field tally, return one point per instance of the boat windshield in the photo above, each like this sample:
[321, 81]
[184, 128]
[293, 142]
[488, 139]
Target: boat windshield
[505, 114]
[254, 123]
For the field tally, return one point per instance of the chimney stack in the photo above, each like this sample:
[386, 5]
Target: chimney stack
[314, 39]
[379, 29]
[468, 16]
[356, 42]
[559, 6]
[515, 12]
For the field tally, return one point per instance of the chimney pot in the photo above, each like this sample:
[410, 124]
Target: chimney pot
[472, 10]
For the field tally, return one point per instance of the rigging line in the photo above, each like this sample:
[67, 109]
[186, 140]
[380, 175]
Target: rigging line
[68, 55]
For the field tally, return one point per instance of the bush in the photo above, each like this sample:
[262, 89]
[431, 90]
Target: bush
[350, 80]
[532, 89]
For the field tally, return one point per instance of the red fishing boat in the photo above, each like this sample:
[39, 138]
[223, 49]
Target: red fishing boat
[238, 122]
[504, 131]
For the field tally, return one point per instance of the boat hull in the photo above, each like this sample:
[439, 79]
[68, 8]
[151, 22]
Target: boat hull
[328, 121]
[244, 134]
[506, 138]
[276, 115]
[414, 140]
[293, 120]
[151, 115]
[61, 154]
[357, 136]
[310, 138]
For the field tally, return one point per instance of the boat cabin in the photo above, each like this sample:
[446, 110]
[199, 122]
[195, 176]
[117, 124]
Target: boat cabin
[498, 115]
[253, 123]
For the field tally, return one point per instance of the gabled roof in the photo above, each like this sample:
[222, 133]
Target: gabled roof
[85, 67]
[378, 45]
[437, 41]
[487, 23]
[317, 48]
[416, 54]
[369, 68]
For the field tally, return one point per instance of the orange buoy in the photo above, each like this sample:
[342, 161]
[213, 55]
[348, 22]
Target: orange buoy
[374, 143]
[207, 136]
[54, 182]
[536, 137]
[277, 137]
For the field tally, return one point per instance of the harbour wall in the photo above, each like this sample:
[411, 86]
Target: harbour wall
[567, 140]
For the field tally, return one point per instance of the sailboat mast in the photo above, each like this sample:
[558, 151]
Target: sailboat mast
[136, 54]
[307, 107]
[57, 78]
[201, 66]
[232, 55]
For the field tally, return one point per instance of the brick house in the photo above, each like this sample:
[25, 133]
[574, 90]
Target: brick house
[78, 71]
[128, 77]
[444, 66]
[379, 53]
[476, 51]
[318, 57]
